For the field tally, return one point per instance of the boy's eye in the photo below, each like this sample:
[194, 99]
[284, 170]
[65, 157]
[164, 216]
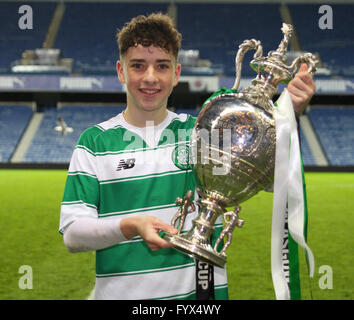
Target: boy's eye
[137, 65]
[163, 66]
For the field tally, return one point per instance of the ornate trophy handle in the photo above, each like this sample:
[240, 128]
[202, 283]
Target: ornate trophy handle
[243, 48]
[231, 220]
[307, 58]
[186, 206]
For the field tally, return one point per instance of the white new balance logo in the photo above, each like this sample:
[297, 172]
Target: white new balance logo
[126, 164]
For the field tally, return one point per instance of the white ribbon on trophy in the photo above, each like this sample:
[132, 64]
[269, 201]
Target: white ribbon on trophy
[288, 201]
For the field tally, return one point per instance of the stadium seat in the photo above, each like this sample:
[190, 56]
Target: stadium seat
[204, 28]
[307, 156]
[14, 40]
[335, 130]
[49, 146]
[335, 46]
[92, 42]
[13, 121]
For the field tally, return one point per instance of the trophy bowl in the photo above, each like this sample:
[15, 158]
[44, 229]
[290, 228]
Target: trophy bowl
[232, 173]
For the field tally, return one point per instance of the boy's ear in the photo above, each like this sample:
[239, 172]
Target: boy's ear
[177, 74]
[120, 71]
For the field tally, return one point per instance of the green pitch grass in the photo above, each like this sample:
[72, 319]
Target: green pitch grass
[29, 219]
[330, 206]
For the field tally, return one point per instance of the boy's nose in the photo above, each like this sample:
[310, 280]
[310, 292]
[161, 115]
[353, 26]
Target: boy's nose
[150, 75]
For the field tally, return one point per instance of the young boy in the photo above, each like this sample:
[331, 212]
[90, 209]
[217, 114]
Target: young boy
[125, 175]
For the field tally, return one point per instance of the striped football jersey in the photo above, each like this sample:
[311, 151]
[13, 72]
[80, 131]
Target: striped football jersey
[118, 171]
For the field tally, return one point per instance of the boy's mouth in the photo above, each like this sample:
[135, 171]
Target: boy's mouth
[149, 92]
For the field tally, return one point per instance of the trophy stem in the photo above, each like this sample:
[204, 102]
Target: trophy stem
[197, 242]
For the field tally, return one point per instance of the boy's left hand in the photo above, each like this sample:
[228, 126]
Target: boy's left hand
[301, 89]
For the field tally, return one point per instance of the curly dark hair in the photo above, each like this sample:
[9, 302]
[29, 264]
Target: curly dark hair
[156, 29]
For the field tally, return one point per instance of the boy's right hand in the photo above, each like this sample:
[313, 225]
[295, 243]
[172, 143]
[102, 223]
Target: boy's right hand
[148, 228]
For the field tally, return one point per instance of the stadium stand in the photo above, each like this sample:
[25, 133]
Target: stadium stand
[217, 31]
[92, 42]
[335, 130]
[13, 40]
[307, 156]
[336, 45]
[87, 34]
[49, 146]
[13, 122]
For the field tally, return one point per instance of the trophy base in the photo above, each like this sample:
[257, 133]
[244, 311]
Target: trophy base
[201, 251]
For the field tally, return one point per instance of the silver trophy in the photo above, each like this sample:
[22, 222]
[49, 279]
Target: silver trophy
[237, 158]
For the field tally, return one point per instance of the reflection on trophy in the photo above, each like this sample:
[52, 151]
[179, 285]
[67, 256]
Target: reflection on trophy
[233, 151]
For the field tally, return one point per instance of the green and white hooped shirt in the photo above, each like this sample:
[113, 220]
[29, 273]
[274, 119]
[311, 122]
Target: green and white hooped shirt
[120, 171]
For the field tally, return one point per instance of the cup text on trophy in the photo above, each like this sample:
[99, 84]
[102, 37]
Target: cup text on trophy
[203, 274]
[25, 22]
[326, 20]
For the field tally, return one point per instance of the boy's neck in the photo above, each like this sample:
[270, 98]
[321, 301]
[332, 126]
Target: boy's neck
[139, 119]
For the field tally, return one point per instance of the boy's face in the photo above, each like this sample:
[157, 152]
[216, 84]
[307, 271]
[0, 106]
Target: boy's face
[150, 73]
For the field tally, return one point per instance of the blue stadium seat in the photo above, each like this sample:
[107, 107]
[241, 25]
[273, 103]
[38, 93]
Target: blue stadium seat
[335, 46]
[49, 146]
[307, 156]
[335, 130]
[91, 42]
[13, 40]
[218, 29]
[13, 121]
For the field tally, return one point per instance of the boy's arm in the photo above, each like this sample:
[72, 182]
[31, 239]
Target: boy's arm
[79, 222]
[87, 234]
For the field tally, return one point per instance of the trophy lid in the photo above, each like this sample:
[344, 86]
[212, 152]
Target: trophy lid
[274, 63]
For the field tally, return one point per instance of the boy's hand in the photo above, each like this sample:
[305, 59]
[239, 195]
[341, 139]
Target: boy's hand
[148, 228]
[301, 89]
